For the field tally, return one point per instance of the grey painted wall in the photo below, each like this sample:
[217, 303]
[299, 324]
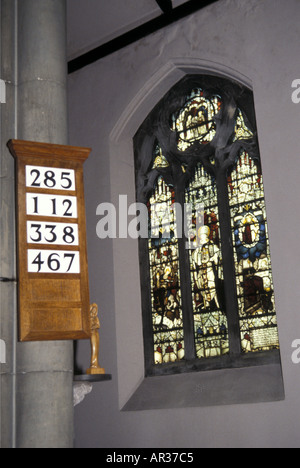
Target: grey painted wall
[256, 42]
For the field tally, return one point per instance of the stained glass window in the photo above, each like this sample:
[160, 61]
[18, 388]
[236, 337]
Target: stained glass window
[208, 292]
[207, 285]
[167, 318]
[255, 287]
[195, 122]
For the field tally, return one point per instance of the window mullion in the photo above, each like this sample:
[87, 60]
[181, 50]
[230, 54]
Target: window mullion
[146, 305]
[187, 304]
[228, 264]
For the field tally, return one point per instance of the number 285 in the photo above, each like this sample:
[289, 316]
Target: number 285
[50, 178]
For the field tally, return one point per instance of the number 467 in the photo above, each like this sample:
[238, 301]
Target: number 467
[62, 262]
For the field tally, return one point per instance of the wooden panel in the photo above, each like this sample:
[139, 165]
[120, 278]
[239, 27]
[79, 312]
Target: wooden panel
[43, 290]
[52, 254]
[60, 320]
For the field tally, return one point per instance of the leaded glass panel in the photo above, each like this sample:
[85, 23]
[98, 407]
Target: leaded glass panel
[195, 122]
[207, 285]
[166, 302]
[254, 280]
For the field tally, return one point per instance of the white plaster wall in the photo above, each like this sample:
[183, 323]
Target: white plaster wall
[257, 42]
[106, 19]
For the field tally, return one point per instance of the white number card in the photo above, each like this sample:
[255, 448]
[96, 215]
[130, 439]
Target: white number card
[52, 233]
[51, 205]
[51, 261]
[50, 178]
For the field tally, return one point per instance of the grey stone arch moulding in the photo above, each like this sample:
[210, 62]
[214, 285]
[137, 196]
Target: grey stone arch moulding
[160, 83]
[206, 388]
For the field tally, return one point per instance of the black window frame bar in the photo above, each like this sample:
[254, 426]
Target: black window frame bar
[157, 129]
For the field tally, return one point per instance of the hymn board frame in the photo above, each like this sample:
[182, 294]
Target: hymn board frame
[53, 284]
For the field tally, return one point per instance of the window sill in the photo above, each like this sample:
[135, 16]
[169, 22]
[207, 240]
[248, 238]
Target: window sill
[254, 384]
[216, 363]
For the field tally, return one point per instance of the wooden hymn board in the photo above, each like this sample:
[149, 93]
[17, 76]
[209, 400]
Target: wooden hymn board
[53, 286]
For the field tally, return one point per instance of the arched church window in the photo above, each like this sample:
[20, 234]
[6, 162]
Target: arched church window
[206, 278]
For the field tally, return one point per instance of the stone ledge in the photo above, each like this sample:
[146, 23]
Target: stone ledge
[210, 388]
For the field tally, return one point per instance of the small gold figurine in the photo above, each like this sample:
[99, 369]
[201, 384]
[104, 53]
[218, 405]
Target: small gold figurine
[95, 369]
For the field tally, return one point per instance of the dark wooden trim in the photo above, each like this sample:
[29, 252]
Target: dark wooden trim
[166, 6]
[136, 34]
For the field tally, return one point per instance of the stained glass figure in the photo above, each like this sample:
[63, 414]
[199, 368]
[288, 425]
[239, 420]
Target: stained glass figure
[195, 122]
[241, 131]
[165, 276]
[252, 257]
[159, 161]
[210, 323]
